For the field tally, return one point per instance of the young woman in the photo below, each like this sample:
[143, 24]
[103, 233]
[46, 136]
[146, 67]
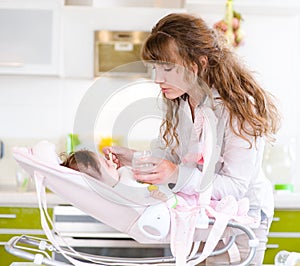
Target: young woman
[194, 67]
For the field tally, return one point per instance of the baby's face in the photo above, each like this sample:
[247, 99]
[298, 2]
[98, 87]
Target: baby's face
[100, 160]
[105, 167]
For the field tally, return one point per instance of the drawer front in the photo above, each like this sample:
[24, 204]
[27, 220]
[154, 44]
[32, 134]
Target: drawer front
[286, 221]
[277, 244]
[20, 217]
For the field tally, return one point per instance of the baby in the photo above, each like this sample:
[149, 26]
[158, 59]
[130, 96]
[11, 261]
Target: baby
[95, 165]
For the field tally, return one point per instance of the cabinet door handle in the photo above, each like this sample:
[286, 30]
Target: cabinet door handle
[274, 246]
[276, 219]
[8, 216]
[11, 64]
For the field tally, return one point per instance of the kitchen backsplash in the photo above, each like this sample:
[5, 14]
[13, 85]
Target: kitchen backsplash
[9, 167]
[44, 108]
[35, 108]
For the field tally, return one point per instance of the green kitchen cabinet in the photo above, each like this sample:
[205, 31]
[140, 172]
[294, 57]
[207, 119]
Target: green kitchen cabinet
[284, 233]
[15, 221]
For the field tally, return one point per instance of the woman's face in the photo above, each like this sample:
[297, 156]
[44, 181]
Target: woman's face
[173, 79]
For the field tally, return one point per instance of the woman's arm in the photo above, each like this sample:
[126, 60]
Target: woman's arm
[240, 166]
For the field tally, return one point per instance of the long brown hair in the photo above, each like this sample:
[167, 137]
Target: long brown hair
[249, 105]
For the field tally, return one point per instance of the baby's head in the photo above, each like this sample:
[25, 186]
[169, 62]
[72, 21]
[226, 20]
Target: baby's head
[84, 161]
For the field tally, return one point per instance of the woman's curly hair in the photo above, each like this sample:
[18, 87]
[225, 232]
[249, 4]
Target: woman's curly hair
[251, 108]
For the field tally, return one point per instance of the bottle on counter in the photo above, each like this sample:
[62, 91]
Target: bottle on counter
[279, 165]
[24, 180]
[109, 141]
[72, 142]
[286, 258]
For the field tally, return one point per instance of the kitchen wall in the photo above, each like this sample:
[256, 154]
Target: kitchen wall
[33, 108]
[43, 107]
[80, 23]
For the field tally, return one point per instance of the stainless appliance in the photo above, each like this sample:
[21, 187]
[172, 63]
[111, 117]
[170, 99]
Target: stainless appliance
[86, 234]
[118, 52]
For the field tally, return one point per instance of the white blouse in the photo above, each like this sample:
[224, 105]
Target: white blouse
[238, 172]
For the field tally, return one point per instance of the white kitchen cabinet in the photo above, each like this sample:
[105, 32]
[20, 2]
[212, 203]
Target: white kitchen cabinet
[30, 36]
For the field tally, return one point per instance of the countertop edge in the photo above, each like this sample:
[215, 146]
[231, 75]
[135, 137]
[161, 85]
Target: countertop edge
[15, 198]
[28, 199]
[287, 200]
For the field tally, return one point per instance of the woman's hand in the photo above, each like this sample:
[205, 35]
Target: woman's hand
[120, 155]
[162, 172]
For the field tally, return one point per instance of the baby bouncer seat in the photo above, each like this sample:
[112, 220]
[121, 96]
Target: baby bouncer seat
[181, 222]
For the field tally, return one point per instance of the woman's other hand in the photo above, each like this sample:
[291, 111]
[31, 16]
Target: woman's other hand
[120, 155]
[162, 172]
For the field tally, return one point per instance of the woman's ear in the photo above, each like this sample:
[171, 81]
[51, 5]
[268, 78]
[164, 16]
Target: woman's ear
[195, 68]
[203, 61]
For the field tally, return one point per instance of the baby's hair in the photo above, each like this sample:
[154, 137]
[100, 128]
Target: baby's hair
[79, 160]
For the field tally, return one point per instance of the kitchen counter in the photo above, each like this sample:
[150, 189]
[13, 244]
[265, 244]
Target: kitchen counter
[10, 196]
[287, 200]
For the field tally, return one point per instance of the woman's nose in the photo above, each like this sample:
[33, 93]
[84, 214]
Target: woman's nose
[159, 77]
